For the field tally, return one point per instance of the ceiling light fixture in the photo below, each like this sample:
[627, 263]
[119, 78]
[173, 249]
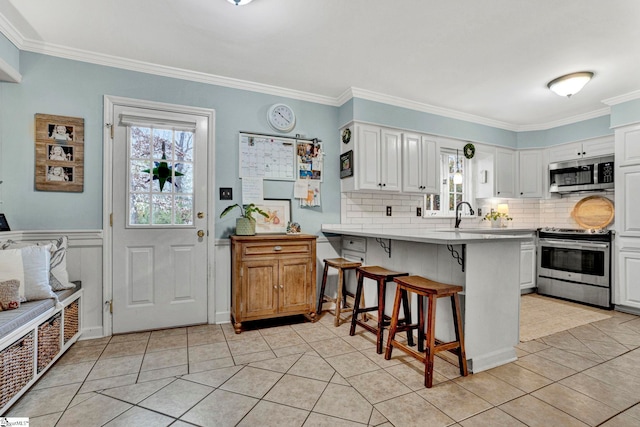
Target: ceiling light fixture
[570, 84]
[239, 2]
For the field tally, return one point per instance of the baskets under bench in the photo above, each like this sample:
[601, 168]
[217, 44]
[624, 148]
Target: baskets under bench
[34, 336]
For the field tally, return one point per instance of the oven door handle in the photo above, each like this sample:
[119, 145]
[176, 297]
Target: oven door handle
[572, 244]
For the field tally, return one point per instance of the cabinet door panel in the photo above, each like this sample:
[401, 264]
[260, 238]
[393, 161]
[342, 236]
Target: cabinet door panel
[530, 173]
[411, 165]
[295, 283]
[366, 157]
[391, 159]
[259, 288]
[629, 291]
[505, 173]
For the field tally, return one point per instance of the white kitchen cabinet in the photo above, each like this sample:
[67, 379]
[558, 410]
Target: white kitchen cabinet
[496, 172]
[583, 149]
[628, 291]
[530, 173]
[419, 164]
[527, 265]
[505, 170]
[376, 159]
[627, 223]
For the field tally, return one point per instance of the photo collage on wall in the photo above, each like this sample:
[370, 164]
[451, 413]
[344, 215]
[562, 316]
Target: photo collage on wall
[59, 144]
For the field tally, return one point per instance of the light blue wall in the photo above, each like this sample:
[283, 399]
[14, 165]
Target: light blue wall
[404, 118]
[626, 113]
[64, 87]
[69, 88]
[9, 53]
[592, 128]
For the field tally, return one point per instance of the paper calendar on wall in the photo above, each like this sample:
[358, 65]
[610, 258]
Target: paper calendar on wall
[267, 157]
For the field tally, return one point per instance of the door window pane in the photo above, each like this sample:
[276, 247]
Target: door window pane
[160, 177]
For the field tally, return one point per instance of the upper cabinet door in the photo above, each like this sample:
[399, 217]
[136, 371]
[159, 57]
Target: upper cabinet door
[505, 169]
[367, 157]
[578, 150]
[430, 165]
[530, 173]
[412, 179]
[391, 160]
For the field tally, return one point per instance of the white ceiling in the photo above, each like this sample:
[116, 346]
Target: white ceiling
[486, 60]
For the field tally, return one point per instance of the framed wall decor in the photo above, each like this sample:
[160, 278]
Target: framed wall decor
[346, 164]
[4, 225]
[279, 211]
[59, 150]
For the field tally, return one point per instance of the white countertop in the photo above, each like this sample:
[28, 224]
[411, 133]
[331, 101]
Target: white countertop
[444, 236]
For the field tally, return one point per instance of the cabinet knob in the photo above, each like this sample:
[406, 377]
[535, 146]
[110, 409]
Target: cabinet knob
[281, 286]
[583, 153]
[379, 184]
[277, 248]
[384, 185]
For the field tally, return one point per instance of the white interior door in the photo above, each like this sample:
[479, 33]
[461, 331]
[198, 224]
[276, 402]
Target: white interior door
[159, 244]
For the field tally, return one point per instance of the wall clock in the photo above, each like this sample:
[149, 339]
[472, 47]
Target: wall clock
[346, 135]
[469, 151]
[281, 117]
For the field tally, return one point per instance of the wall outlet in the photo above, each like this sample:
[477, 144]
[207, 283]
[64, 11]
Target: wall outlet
[479, 211]
[418, 211]
[388, 210]
[226, 193]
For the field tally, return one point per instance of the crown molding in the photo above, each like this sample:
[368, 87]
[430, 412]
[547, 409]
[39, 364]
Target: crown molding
[566, 121]
[622, 98]
[10, 32]
[173, 72]
[161, 70]
[427, 108]
[8, 73]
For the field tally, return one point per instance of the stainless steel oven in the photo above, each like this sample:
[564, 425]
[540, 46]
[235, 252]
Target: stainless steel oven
[575, 265]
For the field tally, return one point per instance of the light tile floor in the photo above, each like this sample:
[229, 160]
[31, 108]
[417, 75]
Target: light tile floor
[317, 375]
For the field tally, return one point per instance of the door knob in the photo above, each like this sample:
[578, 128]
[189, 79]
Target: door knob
[200, 233]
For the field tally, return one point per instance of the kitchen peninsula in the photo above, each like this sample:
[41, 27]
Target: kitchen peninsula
[485, 264]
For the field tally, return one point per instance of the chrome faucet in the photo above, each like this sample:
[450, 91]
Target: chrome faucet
[459, 214]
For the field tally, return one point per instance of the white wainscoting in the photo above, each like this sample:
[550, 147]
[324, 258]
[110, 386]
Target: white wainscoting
[84, 262]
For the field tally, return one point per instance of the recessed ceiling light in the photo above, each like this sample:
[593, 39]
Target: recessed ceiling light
[570, 84]
[239, 2]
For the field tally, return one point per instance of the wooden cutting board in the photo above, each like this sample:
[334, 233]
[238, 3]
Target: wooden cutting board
[593, 212]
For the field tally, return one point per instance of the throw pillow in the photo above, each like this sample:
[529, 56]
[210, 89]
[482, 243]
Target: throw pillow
[59, 277]
[9, 295]
[30, 265]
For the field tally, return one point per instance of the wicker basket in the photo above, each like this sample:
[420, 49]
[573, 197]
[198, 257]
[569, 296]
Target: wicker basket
[71, 316]
[48, 341]
[16, 363]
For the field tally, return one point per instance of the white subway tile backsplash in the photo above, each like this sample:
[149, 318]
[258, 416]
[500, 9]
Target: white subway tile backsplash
[370, 208]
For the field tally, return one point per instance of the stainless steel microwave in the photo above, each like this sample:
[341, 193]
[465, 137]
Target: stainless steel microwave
[595, 173]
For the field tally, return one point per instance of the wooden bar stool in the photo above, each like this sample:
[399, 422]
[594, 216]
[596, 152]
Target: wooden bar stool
[432, 290]
[381, 276]
[341, 265]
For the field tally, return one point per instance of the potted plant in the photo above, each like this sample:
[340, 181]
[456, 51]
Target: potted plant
[246, 224]
[497, 219]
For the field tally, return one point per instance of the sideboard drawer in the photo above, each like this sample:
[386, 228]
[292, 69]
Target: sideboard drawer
[276, 248]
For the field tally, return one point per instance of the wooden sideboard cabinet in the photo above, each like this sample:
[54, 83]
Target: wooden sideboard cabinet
[272, 276]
